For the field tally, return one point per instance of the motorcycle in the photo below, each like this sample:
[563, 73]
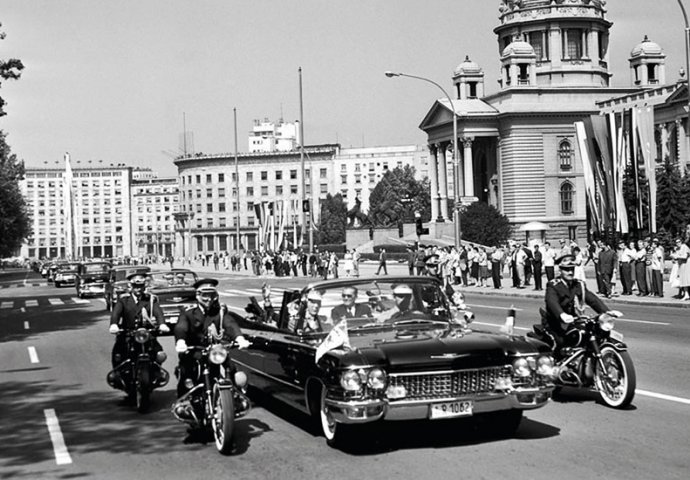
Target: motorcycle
[216, 394]
[141, 371]
[595, 358]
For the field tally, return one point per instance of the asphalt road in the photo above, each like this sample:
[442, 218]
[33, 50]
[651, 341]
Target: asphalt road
[59, 418]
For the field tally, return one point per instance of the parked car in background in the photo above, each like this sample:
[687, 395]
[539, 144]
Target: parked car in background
[118, 284]
[355, 351]
[175, 291]
[91, 278]
[65, 274]
[52, 269]
[45, 267]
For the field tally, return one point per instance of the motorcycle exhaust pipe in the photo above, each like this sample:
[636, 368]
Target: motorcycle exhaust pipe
[115, 380]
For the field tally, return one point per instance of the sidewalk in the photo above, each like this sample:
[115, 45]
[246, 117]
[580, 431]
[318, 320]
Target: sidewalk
[368, 269]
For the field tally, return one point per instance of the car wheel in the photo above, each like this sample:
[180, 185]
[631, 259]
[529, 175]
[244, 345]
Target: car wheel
[58, 284]
[337, 434]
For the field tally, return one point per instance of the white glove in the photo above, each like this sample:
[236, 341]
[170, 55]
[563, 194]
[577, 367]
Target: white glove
[242, 342]
[114, 329]
[181, 346]
[163, 328]
[567, 318]
[615, 313]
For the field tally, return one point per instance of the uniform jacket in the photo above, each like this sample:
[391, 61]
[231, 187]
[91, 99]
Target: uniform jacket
[127, 310]
[193, 324]
[560, 298]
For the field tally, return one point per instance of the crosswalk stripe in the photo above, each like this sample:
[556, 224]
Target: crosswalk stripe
[31, 303]
[79, 300]
[55, 301]
[9, 304]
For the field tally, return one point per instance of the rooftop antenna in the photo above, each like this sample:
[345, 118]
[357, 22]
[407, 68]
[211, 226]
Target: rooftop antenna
[184, 133]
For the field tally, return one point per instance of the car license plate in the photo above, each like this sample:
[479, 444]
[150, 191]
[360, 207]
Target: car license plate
[616, 336]
[451, 409]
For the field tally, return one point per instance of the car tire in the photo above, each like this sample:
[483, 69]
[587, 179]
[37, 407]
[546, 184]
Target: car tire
[58, 285]
[338, 435]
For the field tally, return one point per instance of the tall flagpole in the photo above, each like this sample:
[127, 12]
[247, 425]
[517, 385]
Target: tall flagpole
[69, 210]
[306, 217]
[237, 183]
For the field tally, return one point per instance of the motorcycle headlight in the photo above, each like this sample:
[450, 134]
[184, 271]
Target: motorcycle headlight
[521, 367]
[544, 365]
[376, 379]
[142, 335]
[218, 354]
[606, 322]
[350, 381]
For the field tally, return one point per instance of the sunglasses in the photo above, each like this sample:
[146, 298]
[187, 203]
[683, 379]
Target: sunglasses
[401, 295]
[347, 295]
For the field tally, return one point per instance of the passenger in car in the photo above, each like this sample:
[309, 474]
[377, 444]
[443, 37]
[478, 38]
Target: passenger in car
[349, 308]
[402, 295]
[311, 321]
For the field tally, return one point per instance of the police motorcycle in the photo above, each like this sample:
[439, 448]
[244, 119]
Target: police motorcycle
[140, 372]
[216, 393]
[594, 358]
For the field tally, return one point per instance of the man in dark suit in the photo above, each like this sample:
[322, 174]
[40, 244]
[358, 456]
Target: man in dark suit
[607, 265]
[349, 308]
[131, 307]
[536, 267]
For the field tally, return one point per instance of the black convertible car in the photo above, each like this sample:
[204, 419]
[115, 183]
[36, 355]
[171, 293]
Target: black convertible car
[353, 351]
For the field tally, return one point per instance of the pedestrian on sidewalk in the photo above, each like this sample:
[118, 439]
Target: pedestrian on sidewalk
[607, 266]
[549, 259]
[657, 262]
[497, 266]
[536, 267]
[681, 255]
[382, 262]
[641, 269]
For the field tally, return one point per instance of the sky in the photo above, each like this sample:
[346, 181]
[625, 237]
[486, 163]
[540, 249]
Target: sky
[119, 81]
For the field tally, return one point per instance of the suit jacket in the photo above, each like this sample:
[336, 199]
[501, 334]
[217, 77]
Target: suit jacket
[561, 298]
[607, 261]
[361, 310]
[127, 310]
[193, 324]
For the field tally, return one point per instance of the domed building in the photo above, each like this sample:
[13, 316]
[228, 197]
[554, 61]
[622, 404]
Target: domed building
[517, 146]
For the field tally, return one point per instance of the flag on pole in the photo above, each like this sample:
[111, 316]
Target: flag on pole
[645, 131]
[68, 209]
[336, 338]
[590, 189]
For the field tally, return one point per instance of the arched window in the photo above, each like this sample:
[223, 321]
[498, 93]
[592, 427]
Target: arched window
[567, 193]
[565, 155]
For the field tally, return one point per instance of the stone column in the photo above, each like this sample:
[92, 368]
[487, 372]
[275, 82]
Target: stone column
[469, 168]
[443, 182]
[433, 179]
[665, 150]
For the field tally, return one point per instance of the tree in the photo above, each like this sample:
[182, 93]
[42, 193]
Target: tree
[672, 206]
[632, 196]
[397, 196]
[15, 224]
[9, 70]
[333, 220]
[484, 224]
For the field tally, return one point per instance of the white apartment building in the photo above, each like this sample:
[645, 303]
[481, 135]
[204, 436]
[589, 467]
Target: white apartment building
[102, 220]
[154, 204]
[267, 136]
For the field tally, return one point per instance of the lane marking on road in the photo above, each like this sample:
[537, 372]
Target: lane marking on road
[23, 310]
[9, 304]
[33, 355]
[663, 396]
[62, 456]
[79, 300]
[26, 325]
[497, 325]
[494, 308]
[55, 301]
[31, 303]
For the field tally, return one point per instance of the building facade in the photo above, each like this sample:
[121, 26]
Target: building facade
[102, 224]
[517, 146]
[154, 204]
[266, 136]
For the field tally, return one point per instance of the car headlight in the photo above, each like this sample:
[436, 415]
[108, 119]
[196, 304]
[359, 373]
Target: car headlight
[218, 354]
[545, 365]
[376, 379]
[606, 322]
[521, 367]
[350, 381]
[142, 335]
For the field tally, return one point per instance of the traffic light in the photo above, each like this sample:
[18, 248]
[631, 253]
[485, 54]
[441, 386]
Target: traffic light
[305, 206]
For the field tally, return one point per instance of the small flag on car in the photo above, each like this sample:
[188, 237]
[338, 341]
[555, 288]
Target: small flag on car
[337, 337]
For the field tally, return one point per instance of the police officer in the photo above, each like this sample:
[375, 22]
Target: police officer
[194, 324]
[565, 295]
[137, 304]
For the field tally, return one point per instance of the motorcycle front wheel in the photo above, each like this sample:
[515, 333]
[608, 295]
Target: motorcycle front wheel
[223, 421]
[143, 390]
[616, 381]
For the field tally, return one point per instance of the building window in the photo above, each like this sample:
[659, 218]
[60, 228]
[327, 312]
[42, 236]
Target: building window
[221, 207]
[264, 175]
[250, 176]
[264, 191]
[198, 179]
[279, 174]
[565, 155]
[209, 193]
[324, 188]
[293, 174]
[209, 207]
[343, 168]
[279, 189]
[536, 39]
[221, 177]
[567, 193]
[209, 178]
[250, 191]
[343, 179]
[574, 44]
[293, 189]
[323, 173]
[221, 193]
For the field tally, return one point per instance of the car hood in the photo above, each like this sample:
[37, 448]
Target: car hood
[418, 350]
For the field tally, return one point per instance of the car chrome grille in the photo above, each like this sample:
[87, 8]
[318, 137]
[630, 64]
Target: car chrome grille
[429, 386]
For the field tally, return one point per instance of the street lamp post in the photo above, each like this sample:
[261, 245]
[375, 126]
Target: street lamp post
[456, 159]
[687, 67]
[237, 183]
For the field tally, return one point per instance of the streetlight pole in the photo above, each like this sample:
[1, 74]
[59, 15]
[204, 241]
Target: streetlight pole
[687, 70]
[459, 189]
[306, 217]
[237, 183]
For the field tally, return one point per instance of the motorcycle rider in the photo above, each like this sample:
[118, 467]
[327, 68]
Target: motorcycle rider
[195, 323]
[565, 300]
[128, 308]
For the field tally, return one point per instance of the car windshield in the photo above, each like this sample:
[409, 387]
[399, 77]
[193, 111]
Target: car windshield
[121, 275]
[172, 279]
[96, 267]
[373, 304]
[70, 267]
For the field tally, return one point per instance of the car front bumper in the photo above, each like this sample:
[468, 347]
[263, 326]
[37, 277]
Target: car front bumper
[363, 411]
[91, 289]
